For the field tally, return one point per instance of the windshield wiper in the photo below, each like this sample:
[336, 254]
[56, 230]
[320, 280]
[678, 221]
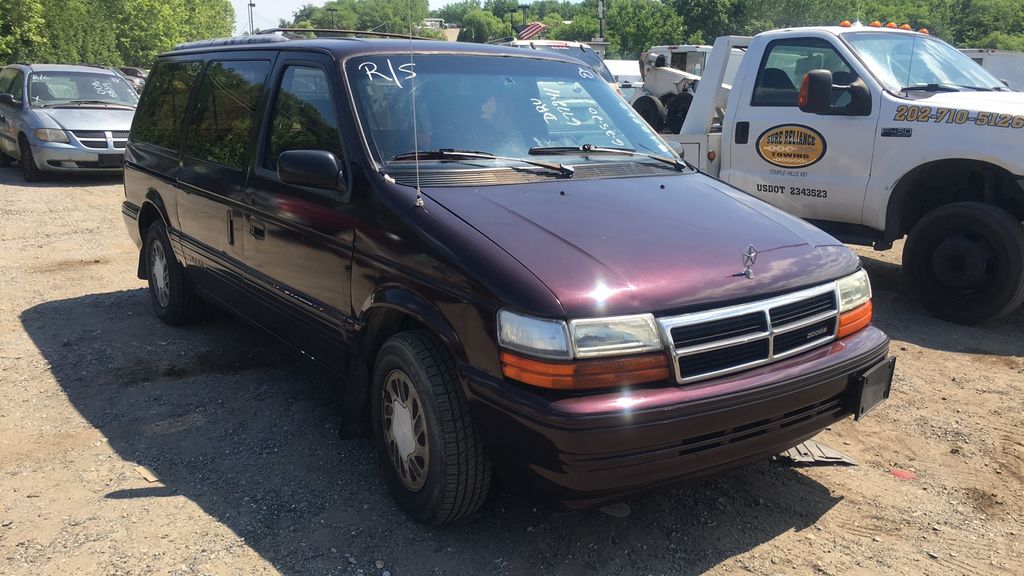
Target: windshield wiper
[591, 149]
[943, 87]
[79, 102]
[446, 153]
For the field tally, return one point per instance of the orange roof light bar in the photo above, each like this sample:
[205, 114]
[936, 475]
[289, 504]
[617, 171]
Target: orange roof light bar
[875, 24]
[891, 25]
[844, 24]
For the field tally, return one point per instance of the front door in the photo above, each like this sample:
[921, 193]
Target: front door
[815, 166]
[299, 239]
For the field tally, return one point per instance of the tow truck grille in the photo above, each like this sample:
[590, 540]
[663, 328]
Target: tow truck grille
[726, 340]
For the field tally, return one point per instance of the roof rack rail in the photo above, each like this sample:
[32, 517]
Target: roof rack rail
[318, 31]
[234, 40]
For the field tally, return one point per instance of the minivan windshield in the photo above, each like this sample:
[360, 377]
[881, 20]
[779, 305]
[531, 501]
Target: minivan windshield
[916, 62]
[513, 107]
[72, 89]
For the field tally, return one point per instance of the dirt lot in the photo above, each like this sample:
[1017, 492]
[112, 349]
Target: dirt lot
[253, 479]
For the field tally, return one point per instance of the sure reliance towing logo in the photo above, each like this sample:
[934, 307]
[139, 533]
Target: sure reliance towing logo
[791, 146]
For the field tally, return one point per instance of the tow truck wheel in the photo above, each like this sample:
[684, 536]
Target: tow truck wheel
[677, 110]
[965, 261]
[652, 111]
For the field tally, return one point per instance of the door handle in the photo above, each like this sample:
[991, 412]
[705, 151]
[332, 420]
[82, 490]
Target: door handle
[742, 132]
[257, 229]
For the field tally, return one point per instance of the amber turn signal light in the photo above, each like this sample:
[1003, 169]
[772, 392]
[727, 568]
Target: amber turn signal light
[854, 320]
[585, 374]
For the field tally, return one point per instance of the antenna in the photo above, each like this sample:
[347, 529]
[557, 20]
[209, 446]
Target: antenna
[415, 126]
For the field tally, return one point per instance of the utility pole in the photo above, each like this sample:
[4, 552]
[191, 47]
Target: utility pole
[599, 44]
[333, 11]
[251, 6]
[522, 10]
[600, 18]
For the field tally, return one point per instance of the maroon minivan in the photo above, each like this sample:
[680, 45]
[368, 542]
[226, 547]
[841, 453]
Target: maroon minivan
[508, 272]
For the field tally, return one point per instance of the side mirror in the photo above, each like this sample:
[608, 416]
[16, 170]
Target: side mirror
[817, 89]
[313, 168]
[8, 99]
[816, 92]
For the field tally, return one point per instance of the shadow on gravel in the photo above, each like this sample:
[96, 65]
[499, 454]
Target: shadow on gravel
[227, 418]
[12, 176]
[904, 318]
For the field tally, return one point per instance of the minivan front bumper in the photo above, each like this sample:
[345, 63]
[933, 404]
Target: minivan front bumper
[60, 157]
[585, 450]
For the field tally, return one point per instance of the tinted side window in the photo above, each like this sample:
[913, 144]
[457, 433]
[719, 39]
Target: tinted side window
[785, 64]
[5, 80]
[17, 87]
[303, 116]
[225, 112]
[161, 112]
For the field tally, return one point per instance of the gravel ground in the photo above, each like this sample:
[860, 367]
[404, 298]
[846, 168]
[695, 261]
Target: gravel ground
[239, 438]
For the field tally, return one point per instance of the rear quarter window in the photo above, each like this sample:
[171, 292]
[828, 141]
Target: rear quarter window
[161, 112]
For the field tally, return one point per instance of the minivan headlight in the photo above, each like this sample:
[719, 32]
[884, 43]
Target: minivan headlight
[855, 309]
[854, 290]
[533, 336]
[51, 135]
[614, 336]
[583, 354]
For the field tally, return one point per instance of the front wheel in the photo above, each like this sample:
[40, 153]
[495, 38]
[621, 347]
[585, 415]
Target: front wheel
[29, 170]
[966, 262]
[435, 463]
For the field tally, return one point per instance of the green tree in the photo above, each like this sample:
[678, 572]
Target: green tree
[480, 26]
[636, 25]
[21, 23]
[582, 29]
[455, 12]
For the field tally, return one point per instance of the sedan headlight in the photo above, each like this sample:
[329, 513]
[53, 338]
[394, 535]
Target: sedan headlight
[855, 307]
[575, 356]
[52, 135]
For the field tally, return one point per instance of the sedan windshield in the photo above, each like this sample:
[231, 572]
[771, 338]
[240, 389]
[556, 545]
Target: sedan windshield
[915, 61]
[507, 107]
[60, 89]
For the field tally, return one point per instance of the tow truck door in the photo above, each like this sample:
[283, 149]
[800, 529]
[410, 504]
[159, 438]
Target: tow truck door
[811, 165]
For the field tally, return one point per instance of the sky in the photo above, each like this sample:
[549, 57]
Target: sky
[267, 13]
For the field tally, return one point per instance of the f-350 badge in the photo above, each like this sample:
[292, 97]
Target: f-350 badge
[748, 258]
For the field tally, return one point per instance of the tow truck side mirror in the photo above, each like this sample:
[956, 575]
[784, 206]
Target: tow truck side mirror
[816, 92]
[817, 89]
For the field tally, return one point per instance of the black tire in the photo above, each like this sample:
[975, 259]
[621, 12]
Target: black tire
[173, 300]
[965, 261]
[652, 111]
[29, 170]
[447, 447]
[677, 110]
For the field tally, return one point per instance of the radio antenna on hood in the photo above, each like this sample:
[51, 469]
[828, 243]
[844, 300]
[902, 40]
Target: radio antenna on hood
[415, 126]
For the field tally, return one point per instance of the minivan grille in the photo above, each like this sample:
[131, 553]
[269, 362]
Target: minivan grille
[726, 340]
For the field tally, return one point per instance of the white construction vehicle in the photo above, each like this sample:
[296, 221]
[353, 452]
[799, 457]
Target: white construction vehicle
[875, 133]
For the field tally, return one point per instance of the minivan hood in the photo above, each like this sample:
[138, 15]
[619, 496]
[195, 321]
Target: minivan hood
[651, 244]
[91, 118]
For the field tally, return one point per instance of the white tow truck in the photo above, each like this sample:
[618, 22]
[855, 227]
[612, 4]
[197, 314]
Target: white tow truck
[873, 134]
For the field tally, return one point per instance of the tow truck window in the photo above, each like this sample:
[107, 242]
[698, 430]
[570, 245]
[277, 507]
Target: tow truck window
[787, 61]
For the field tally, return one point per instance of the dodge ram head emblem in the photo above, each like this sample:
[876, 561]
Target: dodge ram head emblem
[749, 258]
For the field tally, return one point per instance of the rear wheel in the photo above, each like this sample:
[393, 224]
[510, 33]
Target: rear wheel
[652, 111]
[677, 110]
[435, 464]
[29, 170]
[173, 300]
[965, 261]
